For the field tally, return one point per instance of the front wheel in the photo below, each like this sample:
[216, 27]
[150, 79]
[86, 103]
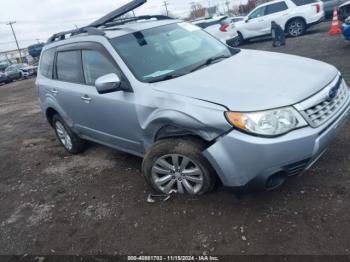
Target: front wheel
[296, 27]
[177, 165]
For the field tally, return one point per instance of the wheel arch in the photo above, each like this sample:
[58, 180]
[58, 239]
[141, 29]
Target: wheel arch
[294, 18]
[172, 131]
[169, 123]
[49, 113]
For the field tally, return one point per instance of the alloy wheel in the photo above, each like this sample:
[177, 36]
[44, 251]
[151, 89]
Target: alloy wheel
[295, 28]
[63, 135]
[177, 173]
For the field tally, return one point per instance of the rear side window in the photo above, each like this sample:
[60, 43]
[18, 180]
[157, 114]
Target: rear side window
[96, 65]
[69, 67]
[275, 8]
[303, 2]
[46, 63]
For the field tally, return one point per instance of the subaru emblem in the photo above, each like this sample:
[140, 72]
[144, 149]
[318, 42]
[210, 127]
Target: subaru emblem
[333, 93]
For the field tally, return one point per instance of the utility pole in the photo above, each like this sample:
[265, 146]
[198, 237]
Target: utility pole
[14, 35]
[166, 7]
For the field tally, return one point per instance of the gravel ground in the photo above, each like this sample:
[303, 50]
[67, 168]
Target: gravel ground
[95, 203]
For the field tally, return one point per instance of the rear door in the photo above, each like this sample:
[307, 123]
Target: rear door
[255, 25]
[277, 12]
[69, 84]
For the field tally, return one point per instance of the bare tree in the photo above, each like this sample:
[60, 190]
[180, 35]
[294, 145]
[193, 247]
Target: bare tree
[197, 10]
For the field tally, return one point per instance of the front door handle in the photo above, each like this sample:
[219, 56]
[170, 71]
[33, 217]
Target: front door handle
[54, 91]
[86, 98]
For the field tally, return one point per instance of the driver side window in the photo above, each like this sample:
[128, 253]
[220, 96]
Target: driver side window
[257, 13]
[96, 65]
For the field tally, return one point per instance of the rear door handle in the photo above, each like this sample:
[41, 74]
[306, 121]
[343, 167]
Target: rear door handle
[86, 98]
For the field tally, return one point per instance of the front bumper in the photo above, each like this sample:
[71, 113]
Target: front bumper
[241, 159]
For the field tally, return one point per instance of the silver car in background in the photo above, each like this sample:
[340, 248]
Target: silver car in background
[196, 110]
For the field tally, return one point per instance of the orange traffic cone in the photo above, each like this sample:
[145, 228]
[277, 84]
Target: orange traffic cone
[335, 29]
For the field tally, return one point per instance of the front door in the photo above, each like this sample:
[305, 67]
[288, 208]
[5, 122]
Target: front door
[105, 118]
[256, 23]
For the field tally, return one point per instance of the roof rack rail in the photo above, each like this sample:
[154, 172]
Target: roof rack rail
[133, 19]
[63, 35]
[117, 13]
[108, 20]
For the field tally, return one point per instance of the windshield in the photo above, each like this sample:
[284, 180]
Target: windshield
[164, 52]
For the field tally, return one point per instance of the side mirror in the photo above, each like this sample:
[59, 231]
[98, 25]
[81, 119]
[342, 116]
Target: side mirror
[246, 20]
[108, 83]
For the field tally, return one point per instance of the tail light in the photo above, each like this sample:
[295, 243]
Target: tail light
[318, 8]
[224, 27]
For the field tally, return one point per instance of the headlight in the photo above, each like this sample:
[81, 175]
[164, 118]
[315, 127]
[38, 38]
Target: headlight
[267, 123]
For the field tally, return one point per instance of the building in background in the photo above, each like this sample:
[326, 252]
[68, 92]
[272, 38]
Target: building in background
[13, 57]
[211, 11]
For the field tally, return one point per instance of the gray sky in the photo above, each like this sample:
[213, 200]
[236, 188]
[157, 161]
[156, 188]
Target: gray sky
[39, 19]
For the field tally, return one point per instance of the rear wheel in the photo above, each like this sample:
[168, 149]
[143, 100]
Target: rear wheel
[177, 165]
[296, 27]
[70, 141]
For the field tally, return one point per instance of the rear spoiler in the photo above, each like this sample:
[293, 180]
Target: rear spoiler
[118, 13]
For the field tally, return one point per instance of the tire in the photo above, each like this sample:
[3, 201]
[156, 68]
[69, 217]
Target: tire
[195, 178]
[240, 40]
[296, 27]
[70, 141]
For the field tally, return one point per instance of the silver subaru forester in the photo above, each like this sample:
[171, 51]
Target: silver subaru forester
[195, 109]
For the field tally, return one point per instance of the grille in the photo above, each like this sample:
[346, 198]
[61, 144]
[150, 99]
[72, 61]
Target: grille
[323, 111]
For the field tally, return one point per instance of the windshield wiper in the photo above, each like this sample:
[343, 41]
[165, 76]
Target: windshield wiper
[210, 61]
[164, 78]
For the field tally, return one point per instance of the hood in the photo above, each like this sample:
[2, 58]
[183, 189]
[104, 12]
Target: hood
[254, 80]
